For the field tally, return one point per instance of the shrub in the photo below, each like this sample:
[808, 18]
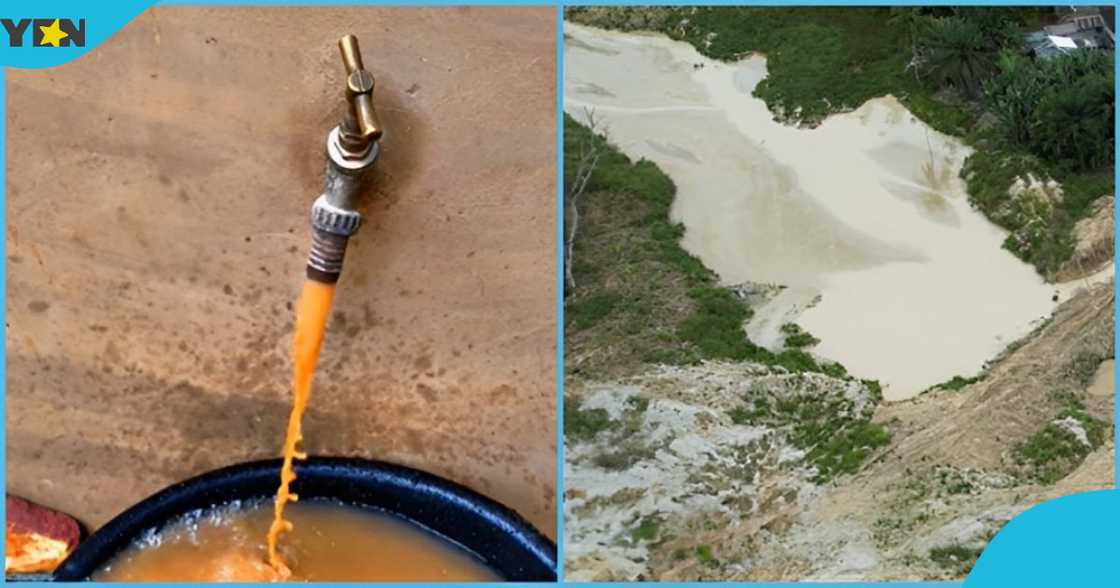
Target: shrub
[646, 530]
[796, 338]
[704, 554]
[584, 424]
[956, 557]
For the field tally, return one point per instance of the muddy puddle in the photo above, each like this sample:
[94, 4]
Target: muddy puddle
[331, 542]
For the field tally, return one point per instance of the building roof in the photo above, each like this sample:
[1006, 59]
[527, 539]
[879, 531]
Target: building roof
[1045, 45]
[1062, 42]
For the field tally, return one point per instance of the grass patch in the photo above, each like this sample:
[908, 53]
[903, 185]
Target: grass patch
[1051, 453]
[588, 311]
[624, 444]
[840, 448]
[796, 338]
[705, 555]
[1055, 451]
[715, 327]
[584, 424]
[741, 416]
[647, 530]
[957, 558]
[836, 438]
[956, 383]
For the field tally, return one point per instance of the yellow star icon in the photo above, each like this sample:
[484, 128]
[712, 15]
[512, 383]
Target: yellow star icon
[52, 34]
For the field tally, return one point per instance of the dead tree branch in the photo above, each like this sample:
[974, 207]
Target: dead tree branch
[589, 153]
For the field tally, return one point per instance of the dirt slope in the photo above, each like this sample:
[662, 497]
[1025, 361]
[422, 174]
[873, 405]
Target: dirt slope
[922, 508]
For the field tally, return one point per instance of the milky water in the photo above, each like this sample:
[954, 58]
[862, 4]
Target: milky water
[864, 218]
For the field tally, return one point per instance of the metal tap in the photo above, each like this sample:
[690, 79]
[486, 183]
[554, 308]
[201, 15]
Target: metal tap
[352, 149]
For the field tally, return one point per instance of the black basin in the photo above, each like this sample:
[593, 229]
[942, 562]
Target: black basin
[507, 544]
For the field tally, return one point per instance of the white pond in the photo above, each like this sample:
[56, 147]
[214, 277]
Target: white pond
[864, 218]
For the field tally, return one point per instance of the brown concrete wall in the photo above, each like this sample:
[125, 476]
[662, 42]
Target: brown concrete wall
[158, 196]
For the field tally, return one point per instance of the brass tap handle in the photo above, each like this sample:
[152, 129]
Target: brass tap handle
[351, 54]
[359, 93]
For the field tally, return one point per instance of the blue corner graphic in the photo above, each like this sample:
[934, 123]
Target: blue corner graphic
[52, 32]
[1070, 541]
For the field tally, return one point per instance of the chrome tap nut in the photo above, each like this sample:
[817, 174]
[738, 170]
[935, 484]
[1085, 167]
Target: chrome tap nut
[347, 160]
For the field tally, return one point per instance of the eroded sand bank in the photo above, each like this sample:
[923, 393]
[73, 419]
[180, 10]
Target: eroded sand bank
[867, 211]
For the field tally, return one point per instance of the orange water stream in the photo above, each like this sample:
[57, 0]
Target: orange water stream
[311, 323]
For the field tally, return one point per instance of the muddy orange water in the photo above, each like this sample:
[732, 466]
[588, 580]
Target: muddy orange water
[311, 323]
[333, 542]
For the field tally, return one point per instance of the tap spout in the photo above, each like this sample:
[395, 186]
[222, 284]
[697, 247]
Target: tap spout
[352, 148]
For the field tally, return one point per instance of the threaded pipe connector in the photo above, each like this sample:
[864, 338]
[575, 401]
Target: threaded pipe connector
[324, 263]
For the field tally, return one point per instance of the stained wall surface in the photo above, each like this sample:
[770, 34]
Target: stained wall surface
[158, 196]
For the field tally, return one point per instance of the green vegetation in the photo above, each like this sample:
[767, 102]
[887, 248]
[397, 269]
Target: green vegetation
[836, 437]
[1053, 452]
[1039, 232]
[1055, 121]
[641, 298]
[875, 389]
[629, 454]
[949, 66]
[590, 310]
[584, 424]
[741, 415]
[715, 327]
[960, 54]
[705, 555]
[1060, 109]
[647, 530]
[956, 383]
[821, 60]
[954, 481]
[627, 449]
[839, 447]
[958, 558]
[796, 338]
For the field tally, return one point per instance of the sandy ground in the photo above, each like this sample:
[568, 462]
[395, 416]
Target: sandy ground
[1104, 381]
[158, 196]
[867, 210]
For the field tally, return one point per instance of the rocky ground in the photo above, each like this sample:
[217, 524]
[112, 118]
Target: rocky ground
[741, 472]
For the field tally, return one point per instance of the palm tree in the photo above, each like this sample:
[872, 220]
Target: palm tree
[1075, 122]
[1013, 94]
[1002, 26]
[1074, 117]
[959, 53]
